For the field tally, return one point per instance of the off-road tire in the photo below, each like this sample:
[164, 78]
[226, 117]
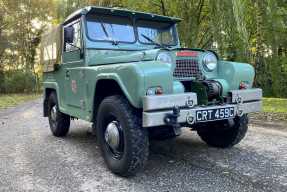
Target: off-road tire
[60, 127]
[135, 137]
[224, 134]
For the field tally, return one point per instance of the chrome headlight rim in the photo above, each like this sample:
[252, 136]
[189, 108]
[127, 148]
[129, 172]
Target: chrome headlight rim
[164, 56]
[210, 61]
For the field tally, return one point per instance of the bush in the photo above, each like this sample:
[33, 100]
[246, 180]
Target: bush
[273, 80]
[19, 82]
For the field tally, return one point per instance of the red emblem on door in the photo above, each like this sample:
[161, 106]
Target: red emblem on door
[74, 86]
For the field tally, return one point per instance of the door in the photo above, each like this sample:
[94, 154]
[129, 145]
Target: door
[73, 68]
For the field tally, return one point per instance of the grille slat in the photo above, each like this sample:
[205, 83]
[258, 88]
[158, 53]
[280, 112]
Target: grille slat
[186, 69]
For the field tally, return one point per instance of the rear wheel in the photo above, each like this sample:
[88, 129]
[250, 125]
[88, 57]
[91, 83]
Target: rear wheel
[123, 141]
[223, 134]
[59, 122]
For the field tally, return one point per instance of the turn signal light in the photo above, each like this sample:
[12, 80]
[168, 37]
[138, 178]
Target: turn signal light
[158, 91]
[243, 85]
[154, 91]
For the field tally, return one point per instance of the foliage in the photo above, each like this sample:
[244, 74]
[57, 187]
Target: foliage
[252, 31]
[10, 100]
[21, 24]
[18, 82]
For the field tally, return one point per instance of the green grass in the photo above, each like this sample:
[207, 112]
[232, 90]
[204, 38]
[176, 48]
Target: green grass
[275, 105]
[10, 100]
[274, 110]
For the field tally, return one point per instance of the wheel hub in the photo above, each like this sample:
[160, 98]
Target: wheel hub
[54, 113]
[112, 135]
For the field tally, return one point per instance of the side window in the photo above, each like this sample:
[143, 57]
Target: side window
[76, 40]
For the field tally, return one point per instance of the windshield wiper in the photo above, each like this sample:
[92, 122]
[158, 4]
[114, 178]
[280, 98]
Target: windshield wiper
[114, 42]
[152, 41]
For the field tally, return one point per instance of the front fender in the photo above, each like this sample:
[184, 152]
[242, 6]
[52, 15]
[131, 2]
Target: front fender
[232, 73]
[133, 78]
[127, 75]
[157, 73]
[131, 85]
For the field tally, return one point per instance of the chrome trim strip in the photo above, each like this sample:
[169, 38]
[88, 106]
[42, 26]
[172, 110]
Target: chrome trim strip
[250, 107]
[239, 96]
[159, 102]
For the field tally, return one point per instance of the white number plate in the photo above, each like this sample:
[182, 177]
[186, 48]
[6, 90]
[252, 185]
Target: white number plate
[215, 114]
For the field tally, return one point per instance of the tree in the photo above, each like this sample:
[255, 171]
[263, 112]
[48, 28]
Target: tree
[252, 31]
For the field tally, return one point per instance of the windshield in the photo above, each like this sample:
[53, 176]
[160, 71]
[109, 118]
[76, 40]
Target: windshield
[110, 28]
[158, 33]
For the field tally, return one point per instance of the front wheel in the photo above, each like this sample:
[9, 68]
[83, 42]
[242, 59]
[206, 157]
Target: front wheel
[122, 139]
[223, 134]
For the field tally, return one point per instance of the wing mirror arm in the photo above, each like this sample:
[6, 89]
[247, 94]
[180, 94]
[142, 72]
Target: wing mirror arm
[57, 66]
[82, 53]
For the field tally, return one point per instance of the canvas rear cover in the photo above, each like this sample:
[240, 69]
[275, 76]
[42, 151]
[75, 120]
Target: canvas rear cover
[51, 48]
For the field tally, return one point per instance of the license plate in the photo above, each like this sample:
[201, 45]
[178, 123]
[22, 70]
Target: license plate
[215, 114]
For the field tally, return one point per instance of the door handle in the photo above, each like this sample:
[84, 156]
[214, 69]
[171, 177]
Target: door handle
[67, 73]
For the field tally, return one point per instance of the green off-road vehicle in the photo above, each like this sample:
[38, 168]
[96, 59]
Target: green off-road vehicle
[126, 72]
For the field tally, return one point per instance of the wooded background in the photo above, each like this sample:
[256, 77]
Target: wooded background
[252, 31]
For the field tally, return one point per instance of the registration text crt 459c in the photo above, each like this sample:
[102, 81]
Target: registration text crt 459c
[215, 114]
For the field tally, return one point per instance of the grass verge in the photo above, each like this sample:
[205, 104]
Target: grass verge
[10, 100]
[275, 105]
[274, 109]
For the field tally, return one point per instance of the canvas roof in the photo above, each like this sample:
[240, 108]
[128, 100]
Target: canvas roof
[120, 12]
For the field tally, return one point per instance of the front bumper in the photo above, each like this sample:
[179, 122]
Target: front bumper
[156, 108]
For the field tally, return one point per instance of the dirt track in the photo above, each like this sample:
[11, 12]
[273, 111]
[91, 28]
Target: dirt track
[31, 159]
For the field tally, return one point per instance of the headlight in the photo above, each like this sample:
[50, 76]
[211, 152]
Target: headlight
[164, 57]
[210, 61]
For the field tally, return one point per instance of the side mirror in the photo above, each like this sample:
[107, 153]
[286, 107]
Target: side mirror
[69, 34]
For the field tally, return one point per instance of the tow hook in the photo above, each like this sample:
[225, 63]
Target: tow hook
[170, 119]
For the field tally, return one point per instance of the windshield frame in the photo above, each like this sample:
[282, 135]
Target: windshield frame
[110, 41]
[174, 32]
[133, 21]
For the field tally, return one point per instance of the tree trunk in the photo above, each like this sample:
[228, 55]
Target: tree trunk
[1, 55]
[259, 61]
[162, 6]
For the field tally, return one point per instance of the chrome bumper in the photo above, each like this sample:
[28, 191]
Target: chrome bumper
[155, 108]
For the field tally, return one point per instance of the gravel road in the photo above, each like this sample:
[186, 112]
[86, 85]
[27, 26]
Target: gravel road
[31, 159]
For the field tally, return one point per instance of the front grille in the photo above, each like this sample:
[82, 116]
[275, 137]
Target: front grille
[186, 69]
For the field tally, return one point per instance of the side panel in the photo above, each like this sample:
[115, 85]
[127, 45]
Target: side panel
[73, 79]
